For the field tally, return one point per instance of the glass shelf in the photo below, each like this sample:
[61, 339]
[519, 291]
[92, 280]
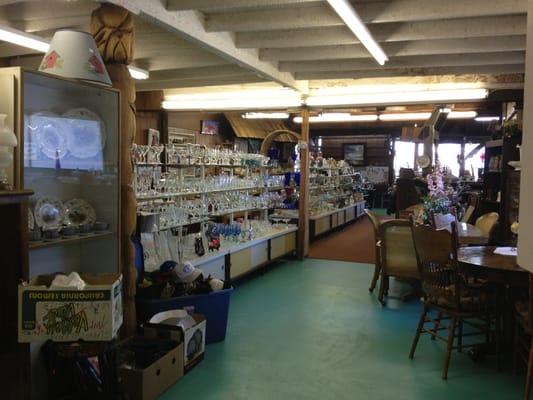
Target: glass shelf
[70, 240]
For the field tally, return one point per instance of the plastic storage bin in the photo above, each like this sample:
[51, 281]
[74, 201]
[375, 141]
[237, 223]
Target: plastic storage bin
[214, 306]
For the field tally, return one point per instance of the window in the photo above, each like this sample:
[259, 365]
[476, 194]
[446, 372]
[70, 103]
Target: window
[403, 155]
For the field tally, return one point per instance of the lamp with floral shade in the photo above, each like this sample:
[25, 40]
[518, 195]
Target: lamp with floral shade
[73, 54]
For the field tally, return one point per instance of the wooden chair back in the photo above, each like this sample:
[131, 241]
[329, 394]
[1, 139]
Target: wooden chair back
[375, 223]
[398, 256]
[487, 222]
[436, 253]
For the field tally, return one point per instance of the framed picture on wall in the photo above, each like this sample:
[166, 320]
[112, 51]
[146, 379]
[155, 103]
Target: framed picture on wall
[209, 127]
[354, 153]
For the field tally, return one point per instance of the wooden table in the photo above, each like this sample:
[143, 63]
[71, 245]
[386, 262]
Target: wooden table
[469, 234]
[481, 260]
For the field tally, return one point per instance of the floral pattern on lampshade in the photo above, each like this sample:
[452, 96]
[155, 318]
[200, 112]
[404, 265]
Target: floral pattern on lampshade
[51, 60]
[95, 65]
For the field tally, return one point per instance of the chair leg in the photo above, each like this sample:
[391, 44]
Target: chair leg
[498, 339]
[437, 325]
[382, 287]
[418, 332]
[451, 337]
[460, 337]
[375, 278]
[529, 371]
[516, 348]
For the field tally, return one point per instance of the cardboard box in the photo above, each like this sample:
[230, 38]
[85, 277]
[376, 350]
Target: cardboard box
[148, 383]
[92, 314]
[193, 338]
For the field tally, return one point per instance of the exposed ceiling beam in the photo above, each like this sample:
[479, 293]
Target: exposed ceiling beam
[178, 61]
[231, 5]
[395, 49]
[444, 60]
[190, 25]
[377, 73]
[373, 12]
[195, 82]
[446, 29]
[204, 72]
[37, 11]
[36, 26]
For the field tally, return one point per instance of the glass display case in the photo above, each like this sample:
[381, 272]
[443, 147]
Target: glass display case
[69, 157]
[68, 144]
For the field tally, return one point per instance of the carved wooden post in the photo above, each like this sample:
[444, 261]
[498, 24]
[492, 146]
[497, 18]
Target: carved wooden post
[113, 31]
[303, 212]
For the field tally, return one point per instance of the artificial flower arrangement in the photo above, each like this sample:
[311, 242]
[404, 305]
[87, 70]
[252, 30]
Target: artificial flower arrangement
[442, 199]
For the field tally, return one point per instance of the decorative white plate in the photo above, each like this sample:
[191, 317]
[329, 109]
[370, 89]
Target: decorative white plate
[48, 212]
[87, 135]
[78, 212]
[31, 220]
[50, 132]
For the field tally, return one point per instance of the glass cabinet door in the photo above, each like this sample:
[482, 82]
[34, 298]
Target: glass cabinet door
[70, 160]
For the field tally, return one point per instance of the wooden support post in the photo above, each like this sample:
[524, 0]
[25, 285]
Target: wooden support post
[303, 210]
[112, 28]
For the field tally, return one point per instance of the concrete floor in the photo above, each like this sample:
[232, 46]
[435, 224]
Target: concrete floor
[310, 330]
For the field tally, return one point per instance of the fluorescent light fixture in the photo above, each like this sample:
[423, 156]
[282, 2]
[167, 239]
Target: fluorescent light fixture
[350, 17]
[265, 115]
[319, 142]
[391, 98]
[23, 39]
[421, 116]
[462, 115]
[138, 73]
[487, 119]
[405, 116]
[338, 117]
[241, 100]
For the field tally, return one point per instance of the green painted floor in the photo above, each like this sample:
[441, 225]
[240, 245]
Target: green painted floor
[310, 330]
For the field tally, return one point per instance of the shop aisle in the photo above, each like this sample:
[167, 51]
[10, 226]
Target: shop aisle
[354, 242]
[310, 330]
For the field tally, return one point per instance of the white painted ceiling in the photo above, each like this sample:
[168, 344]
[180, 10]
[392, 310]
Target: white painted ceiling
[297, 43]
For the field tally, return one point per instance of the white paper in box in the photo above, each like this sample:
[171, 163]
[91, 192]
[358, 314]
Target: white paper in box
[69, 314]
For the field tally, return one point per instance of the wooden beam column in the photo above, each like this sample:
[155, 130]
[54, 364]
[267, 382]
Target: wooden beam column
[112, 28]
[303, 210]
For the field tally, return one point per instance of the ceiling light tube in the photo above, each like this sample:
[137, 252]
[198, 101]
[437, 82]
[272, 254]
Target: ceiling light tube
[265, 115]
[138, 73]
[487, 119]
[23, 39]
[391, 98]
[350, 17]
[231, 104]
[462, 115]
[338, 117]
[421, 116]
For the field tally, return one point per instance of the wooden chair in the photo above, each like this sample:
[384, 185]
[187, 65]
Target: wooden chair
[398, 256]
[413, 210]
[452, 294]
[523, 340]
[487, 222]
[375, 225]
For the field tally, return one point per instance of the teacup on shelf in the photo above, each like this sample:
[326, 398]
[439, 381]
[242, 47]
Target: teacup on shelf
[69, 230]
[85, 229]
[100, 226]
[51, 234]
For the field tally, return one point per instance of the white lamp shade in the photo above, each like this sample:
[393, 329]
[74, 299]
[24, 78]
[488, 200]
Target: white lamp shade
[73, 54]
